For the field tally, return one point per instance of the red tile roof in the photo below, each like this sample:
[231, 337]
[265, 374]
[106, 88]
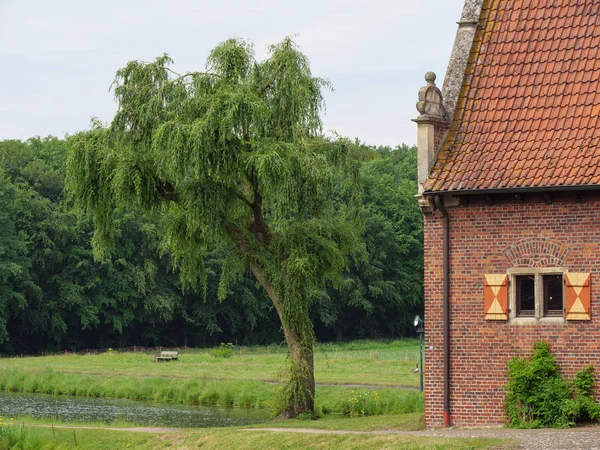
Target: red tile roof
[528, 114]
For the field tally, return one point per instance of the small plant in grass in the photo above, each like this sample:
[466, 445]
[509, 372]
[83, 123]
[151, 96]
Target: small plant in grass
[13, 436]
[539, 396]
[364, 403]
[225, 350]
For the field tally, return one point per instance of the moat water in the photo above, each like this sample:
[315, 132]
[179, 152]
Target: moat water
[108, 410]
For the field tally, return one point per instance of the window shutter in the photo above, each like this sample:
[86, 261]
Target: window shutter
[577, 296]
[495, 293]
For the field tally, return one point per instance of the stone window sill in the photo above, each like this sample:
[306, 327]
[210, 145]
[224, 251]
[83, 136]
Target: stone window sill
[533, 321]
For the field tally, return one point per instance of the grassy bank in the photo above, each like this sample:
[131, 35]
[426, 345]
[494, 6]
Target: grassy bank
[363, 362]
[244, 379]
[244, 394]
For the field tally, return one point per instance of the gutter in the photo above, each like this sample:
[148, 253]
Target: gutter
[520, 190]
[439, 203]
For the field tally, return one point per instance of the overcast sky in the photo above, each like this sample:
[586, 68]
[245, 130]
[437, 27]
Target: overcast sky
[58, 58]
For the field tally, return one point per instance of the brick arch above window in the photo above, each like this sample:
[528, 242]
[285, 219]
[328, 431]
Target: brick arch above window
[536, 252]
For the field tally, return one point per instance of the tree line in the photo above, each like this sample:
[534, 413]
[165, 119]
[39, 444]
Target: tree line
[55, 295]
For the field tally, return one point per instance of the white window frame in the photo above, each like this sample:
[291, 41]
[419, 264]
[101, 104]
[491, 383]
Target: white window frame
[538, 274]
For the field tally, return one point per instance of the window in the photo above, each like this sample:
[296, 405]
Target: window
[536, 293]
[525, 295]
[553, 295]
[550, 295]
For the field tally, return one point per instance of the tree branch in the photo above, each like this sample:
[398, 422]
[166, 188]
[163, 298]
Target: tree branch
[259, 226]
[179, 75]
[238, 236]
[271, 82]
[245, 200]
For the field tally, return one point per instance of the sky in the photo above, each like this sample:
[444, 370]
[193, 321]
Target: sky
[58, 58]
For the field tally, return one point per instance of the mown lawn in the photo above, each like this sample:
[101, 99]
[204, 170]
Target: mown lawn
[34, 438]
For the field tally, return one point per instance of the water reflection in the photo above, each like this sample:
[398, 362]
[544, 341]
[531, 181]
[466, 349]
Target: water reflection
[80, 409]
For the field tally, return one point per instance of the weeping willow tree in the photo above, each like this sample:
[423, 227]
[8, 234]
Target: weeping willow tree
[232, 157]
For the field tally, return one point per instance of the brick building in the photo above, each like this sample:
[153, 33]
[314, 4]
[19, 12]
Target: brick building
[509, 184]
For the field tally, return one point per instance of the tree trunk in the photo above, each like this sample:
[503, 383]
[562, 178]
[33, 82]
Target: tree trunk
[301, 386]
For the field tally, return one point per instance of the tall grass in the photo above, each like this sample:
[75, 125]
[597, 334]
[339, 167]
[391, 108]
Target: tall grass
[15, 436]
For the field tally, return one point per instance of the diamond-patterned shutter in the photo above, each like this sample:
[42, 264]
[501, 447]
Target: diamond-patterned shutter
[577, 296]
[495, 294]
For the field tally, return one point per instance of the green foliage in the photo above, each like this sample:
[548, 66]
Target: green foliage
[69, 292]
[581, 406]
[539, 396]
[292, 394]
[225, 350]
[388, 282]
[219, 144]
[61, 298]
[16, 287]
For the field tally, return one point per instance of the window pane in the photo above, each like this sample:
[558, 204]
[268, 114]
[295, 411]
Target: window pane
[525, 295]
[553, 295]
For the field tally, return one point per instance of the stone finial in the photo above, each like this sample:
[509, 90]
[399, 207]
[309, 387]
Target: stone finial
[431, 102]
[431, 124]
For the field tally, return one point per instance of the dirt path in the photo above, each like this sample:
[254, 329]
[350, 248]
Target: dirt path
[585, 438]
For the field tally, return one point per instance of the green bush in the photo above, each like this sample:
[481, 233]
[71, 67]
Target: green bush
[223, 351]
[582, 405]
[539, 396]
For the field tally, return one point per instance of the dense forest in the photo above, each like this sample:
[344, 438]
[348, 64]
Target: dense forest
[56, 295]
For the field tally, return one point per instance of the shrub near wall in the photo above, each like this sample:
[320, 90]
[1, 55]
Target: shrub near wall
[539, 396]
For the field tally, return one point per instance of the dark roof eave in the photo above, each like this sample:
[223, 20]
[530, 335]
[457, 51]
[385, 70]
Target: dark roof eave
[516, 190]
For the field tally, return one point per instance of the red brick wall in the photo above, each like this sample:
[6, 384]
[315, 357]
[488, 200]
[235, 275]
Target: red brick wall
[488, 239]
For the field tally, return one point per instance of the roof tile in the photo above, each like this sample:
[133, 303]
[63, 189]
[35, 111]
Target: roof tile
[529, 110]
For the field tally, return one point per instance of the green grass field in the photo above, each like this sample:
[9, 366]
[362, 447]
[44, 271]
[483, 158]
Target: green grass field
[364, 362]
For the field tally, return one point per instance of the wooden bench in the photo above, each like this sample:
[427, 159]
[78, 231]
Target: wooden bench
[166, 356]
